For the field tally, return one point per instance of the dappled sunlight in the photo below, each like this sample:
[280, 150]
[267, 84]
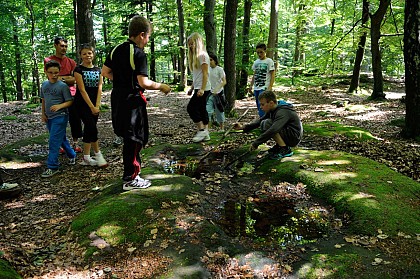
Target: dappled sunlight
[340, 175]
[360, 195]
[42, 198]
[20, 165]
[14, 205]
[319, 272]
[334, 162]
[112, 233]
[161, 176]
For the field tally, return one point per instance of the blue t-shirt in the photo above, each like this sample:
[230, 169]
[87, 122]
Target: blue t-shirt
[54, 94]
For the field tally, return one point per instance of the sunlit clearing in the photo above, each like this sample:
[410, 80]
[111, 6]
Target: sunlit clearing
[361, 195]
[44, 198]
[341, 175]
[111, 233]
[20, 165]
[334, 162]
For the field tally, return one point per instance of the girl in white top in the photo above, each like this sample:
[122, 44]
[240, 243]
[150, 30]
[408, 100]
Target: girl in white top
[216, 101]
[198, 62]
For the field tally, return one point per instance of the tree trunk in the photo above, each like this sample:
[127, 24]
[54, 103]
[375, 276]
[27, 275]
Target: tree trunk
[354, 84]
[299, 56]
[229, 48]
[210, 26]
[272, 35]
[2, 78]
[85, 23]
[152, 72]
[243, 72]
[412, 68]
[375, 35]
[222, 30]
[18, 81]
[182, 45]
[35, 69]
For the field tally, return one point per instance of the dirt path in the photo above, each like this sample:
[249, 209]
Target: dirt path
[28, 233]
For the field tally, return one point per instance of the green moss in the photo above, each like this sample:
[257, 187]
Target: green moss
[8, 152]
[9, 117]
[375, 196]
[329, 129]
[7, 272]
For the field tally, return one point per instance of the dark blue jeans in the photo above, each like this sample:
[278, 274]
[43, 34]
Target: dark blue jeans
[256, 94]
[57, 128]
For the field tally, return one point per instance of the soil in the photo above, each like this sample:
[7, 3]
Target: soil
[29, 235]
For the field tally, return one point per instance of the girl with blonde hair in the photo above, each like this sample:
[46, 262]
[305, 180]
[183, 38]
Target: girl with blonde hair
[198, 62]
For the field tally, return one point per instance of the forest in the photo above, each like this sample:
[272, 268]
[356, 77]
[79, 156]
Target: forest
[305, 37]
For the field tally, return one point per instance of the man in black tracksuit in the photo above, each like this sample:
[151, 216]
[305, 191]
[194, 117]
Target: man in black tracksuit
[126, 66]
[280, 123]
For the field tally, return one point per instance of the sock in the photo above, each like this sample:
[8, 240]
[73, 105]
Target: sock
[86, 157]
[98, 154]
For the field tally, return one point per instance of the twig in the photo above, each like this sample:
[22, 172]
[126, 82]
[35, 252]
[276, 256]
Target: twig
[239, 157]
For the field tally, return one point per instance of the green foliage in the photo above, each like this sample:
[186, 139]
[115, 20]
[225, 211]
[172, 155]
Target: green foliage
[9, 117]
[329, 129]
[7, 272]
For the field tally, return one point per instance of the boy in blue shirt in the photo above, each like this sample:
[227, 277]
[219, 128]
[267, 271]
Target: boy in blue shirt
[56, 98]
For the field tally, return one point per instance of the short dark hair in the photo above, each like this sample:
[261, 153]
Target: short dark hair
[268, 95]
[261, 45]
[137, 25]
[58, 39]
[52, 63]
[214, 57]
[86, 46]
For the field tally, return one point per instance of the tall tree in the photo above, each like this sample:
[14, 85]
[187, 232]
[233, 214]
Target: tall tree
[272, 35]
[229, 50]
[375, 35]
[299, 55]
[210, 26]
[354, 84]
[84, 23]
[243, 69]
[181, 45]
[412, 67]
[2, 78]
[35, 69]
[18, 59]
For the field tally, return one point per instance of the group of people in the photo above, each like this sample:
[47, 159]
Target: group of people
[126, 66]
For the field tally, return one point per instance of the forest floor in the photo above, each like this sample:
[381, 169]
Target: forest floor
[24, 241]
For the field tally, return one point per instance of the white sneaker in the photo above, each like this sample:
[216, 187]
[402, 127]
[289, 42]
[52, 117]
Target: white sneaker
[8, 186]
[89, 161]
[100, 161]
[201, 136]
[136, 183]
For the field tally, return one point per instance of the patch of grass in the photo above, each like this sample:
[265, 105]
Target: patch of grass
[329, 129]
[400, 122]
[8, 152]
[329, 266]
[7, 272]
[9, 117]
[375, 196]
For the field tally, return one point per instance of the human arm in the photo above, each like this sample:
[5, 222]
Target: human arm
[222, 83]
[273, 76]
[205, 70]
[57, 107]
[68, 79]
[107, 72]
[85, 96]
[146, 83]
[98, 98]
[44, 117]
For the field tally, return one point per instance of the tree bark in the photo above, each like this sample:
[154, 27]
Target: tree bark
[2, 78]
[182, 45]
[18, 60]
[375, 35]
[230, 47]
[412, 68]
[84, 23]
[152, 72]
[210, 26]
[299, 56]
[272, 35]
[354, 84]
[243, 72]
[35, 69]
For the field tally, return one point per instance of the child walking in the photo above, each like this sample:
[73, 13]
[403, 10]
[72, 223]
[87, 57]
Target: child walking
[263, 78]
[198, 62]
[126, 65]
[216, 100]
[87, 102]
[56, 98]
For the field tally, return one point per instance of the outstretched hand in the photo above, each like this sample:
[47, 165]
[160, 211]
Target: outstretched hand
[165, 88]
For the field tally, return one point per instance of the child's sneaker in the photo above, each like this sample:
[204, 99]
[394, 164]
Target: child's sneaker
[72, 161]
[274, 150]
[284, 151]
[100, 161]
[77, 149]
[49, 173]
[88, 161]
[137, 183]
[201, 136]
